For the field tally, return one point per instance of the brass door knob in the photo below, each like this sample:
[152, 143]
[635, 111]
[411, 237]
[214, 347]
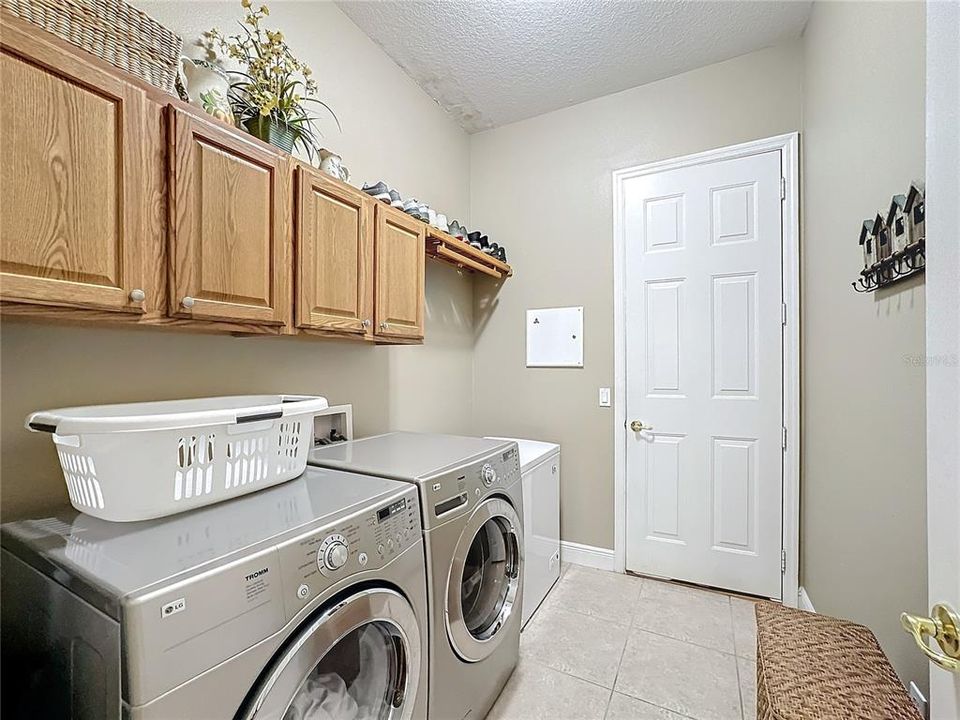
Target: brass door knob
[638, 426]
[944, 627]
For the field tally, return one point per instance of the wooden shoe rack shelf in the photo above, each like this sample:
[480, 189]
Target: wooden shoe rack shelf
[448, 249]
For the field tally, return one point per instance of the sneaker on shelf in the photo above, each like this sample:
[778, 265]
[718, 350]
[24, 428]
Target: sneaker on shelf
[484, 241]
[491, 249]
[431, 216]
[379, 190]
[457, 230]
[474, 239]
[412, 207]
[395, 199]
[501, 255]
[441, 222]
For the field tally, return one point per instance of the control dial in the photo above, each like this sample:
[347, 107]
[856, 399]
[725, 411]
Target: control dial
[333, 553]
[488, 474]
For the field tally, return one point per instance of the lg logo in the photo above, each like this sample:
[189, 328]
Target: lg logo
[172, 608]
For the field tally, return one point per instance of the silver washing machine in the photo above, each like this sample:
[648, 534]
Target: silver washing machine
[471, 496]
[304, 600]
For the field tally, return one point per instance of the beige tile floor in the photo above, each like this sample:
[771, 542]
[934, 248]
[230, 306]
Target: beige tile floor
[606, 646]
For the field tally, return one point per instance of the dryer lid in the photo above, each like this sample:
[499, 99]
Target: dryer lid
[405, 455]
[532, 452]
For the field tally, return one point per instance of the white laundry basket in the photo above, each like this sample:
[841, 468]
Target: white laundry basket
[146, 460]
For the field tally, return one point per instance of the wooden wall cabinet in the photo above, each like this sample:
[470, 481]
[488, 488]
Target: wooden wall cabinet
[122, 205]
[71, 162]
[398, 261]
[334, 259]
[230, 214]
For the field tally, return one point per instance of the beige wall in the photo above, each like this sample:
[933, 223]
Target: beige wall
[543, 188]
[392, 130]
[864, 528]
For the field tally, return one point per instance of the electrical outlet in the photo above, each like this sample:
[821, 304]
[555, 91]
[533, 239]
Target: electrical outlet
[604, 397]
[919, 700]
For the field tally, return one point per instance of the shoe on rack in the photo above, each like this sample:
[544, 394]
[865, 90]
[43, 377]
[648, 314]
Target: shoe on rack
[474, 239]
[491, 249]
[484, 241]
[395, 199]
[417, 209]
[457, 230]
[431, 216]
[379, 190]
[441, 222]
[412, 207]
[501, 255]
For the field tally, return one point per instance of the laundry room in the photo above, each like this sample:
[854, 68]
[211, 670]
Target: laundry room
[459, 360]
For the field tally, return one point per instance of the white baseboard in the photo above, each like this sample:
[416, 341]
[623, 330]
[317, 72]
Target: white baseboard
[804, 601]
[588, 555]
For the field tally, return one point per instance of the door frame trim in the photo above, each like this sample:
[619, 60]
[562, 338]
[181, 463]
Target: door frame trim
[789, 146]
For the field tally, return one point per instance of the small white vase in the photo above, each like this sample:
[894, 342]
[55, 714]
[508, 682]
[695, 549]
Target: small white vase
[207, 86]
[332, 165]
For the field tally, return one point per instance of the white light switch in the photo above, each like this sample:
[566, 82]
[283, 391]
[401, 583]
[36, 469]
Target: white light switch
[604, 397]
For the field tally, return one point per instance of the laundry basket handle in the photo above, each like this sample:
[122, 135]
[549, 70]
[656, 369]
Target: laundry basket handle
[174, 414]
[41, 426]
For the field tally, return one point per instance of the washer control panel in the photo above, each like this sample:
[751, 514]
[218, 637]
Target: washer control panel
[333, 553]
[396, 525]
[488, 474]
[364, 541]
[449, 495]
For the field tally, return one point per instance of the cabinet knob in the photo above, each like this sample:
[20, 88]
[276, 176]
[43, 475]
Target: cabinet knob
[188, 302]
[383, 326]
[137, 295]
[366, 323]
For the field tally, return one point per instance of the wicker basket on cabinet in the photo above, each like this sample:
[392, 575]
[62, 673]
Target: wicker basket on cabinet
[110, 29]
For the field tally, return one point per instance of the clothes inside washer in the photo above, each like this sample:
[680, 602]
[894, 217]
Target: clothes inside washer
[353, 681]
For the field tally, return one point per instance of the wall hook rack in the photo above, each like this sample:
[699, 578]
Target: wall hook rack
[899, 266]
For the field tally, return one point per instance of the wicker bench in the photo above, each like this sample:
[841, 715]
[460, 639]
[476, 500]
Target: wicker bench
[815, 667]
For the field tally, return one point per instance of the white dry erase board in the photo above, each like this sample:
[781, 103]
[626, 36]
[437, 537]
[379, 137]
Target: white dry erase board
[555, 337]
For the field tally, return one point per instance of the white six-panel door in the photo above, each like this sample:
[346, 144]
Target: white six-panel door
[704, 363]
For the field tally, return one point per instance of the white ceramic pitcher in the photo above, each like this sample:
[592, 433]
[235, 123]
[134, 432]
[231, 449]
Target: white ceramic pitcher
[207, 86]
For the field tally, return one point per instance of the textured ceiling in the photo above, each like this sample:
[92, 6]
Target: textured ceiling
[493, 62]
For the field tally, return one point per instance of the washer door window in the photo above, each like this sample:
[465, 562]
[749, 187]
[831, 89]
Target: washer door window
[484, 582]
[358, 660]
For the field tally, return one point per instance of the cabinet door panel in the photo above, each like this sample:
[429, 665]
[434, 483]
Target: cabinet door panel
[334, 255]
[399, 268]
[230, 229]
[70, 169]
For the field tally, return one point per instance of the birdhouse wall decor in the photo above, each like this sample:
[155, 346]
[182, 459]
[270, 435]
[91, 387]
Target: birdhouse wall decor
[897, 223]
[868, 243]
[882, 232]
[893, 242]
[915, 211]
